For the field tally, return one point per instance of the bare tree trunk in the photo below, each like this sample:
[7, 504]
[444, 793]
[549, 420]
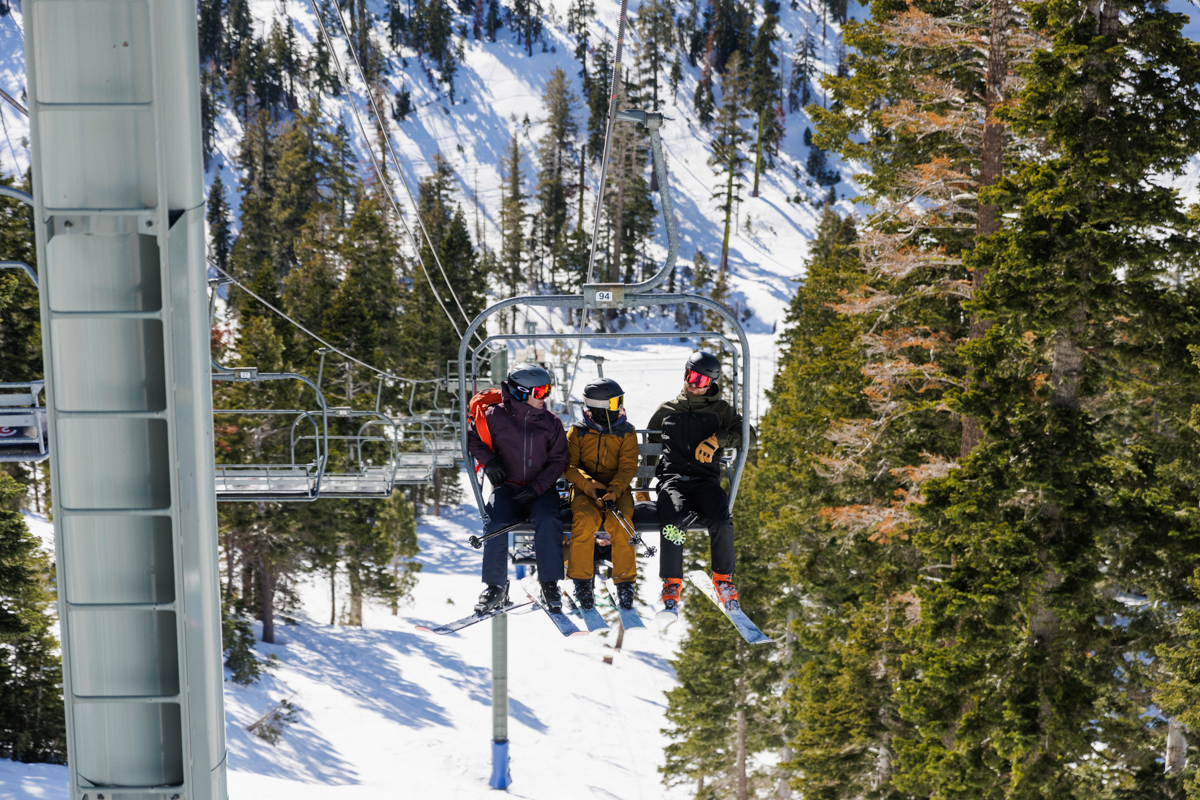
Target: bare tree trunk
[991, 169]
[758, 153]
[395, 578]
[229, 564]
[742, 792]
[1176, 756]
[333, 594]
[354, 612]
[266, 589]
[620, 635]
[437, 492]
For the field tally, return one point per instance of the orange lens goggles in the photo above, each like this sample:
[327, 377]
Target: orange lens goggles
[541, 392]
[696, 379]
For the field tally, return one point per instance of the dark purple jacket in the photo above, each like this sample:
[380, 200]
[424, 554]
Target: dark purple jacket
[530, 442]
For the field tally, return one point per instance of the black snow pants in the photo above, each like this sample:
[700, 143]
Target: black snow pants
[678, 497]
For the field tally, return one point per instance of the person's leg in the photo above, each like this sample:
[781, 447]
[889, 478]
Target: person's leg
[502, 511]
[547, 535]
[624, 559]
[585, 521]
[712, 504]
[672, 511]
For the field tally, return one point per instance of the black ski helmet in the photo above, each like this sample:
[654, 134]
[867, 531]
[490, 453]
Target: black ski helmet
[704, 363]
[603, 398]
[524, 378]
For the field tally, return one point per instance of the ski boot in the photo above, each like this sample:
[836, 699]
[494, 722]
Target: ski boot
[625, 594]
[551, 597]
[493, 597]
[583, 595]
[726, 591]
[670, 593]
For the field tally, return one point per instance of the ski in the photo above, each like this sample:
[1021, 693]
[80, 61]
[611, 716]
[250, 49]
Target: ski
[466, 622]
[666, 617]
[629, 617]
[561, 621]
[592, 618]
[749, 631]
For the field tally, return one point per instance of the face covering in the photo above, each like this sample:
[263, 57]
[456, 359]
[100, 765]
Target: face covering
[605, 418]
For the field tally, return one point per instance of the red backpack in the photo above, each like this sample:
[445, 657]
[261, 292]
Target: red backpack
[475, 410]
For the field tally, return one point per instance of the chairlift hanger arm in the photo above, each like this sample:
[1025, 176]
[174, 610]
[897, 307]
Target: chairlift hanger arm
[21, 265]
[632, 300]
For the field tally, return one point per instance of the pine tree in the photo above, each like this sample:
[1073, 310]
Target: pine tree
[729, 141]
[702, 99]
[32, 726]
[218, 224]
[598, 99]
[512, 221]
[1037, 649]
[556, 156]
[764, 90]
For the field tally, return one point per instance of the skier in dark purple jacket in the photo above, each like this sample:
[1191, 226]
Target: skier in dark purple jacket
[527, 457]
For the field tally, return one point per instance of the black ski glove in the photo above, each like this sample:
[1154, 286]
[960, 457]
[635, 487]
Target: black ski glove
[525, 495]
[495, 472]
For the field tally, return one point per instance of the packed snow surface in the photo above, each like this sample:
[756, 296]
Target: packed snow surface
[387, 711]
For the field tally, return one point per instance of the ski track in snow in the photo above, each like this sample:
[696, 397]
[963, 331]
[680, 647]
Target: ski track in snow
[388, 711]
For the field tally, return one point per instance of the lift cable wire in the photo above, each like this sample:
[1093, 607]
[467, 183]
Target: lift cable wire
[387, 139]
[371, 152]
[332, 349]
[608, 137]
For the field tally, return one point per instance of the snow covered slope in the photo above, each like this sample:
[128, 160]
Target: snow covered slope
[387, 711]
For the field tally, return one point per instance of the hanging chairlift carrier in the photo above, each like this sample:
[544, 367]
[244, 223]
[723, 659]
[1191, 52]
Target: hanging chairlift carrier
[24, 434]
[621, 295]
[295, 481]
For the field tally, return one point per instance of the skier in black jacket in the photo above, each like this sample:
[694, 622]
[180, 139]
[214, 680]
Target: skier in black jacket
[695, 426]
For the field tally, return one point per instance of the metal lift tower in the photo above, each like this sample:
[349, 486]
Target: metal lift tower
[113, 88]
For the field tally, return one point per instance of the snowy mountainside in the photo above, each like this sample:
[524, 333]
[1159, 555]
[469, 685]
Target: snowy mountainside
[386, 711]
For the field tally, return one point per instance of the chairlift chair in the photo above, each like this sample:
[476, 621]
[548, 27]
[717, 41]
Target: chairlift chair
[24, 433]
[297, 480]
[601, 296]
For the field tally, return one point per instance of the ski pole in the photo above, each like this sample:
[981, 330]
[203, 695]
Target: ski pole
[635, 538]
[477, 541]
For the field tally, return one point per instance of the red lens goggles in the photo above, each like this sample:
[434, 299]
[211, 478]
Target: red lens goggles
[694, 378]
[541, 392]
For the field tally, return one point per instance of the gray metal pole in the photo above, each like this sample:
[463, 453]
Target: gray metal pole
[114, 113]
[500, 774]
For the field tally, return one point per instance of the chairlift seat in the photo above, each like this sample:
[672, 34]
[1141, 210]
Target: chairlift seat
[267, 482]
[24, 434]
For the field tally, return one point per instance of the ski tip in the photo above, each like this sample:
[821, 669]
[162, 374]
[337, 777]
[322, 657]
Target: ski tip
[579, 633]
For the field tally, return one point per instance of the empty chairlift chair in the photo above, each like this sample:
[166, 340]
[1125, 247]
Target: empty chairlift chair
[23, 429]
[297, 473]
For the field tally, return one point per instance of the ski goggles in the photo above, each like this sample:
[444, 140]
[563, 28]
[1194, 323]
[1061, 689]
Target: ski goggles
[694, 378]
[523, 393]
[611, 404]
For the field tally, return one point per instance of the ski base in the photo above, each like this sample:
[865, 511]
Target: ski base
[466, 622]
[749, 631]
[592, 618]
[561, 621]
[629, 617]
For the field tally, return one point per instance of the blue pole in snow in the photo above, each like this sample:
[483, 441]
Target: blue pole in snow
[501, 778]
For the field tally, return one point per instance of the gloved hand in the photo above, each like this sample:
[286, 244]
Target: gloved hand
[496, 473]
[594, 489]
[608, 497]
[525, 495]
[706, 449]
